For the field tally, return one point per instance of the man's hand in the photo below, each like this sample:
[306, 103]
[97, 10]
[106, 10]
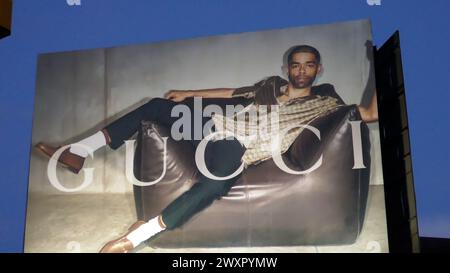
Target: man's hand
[370, 113]
[178, 95]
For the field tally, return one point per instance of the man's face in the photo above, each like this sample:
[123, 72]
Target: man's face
[303, 70]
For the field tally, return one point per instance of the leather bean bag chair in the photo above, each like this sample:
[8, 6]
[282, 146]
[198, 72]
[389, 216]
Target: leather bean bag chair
[266, 206]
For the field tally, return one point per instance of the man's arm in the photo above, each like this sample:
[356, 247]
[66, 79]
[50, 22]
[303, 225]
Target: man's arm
[180, 95]
[370, 113]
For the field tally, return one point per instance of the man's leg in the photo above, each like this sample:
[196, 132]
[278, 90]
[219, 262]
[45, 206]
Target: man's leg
[114, 135]
[224, 157]
[157, 110]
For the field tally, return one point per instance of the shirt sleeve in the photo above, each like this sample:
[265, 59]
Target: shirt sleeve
[263, 92]
[327, 90]
[247, 92]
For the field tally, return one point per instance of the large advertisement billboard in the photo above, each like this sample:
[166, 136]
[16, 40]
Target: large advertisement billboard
[261, 141]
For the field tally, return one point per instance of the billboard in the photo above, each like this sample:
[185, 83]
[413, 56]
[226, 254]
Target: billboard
[261, 141]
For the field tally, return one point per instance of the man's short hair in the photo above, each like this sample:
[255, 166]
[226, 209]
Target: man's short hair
[303, 49]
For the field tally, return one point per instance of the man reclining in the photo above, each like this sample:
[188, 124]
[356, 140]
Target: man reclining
[298, 101]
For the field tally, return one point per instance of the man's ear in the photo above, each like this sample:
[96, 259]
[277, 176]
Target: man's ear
[285, 70]
[319, 69]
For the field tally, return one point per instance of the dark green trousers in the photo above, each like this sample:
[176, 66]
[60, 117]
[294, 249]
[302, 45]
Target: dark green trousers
[223, 157]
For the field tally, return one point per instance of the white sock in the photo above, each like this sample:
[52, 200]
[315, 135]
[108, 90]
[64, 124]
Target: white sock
[144, 232]
[93, 142]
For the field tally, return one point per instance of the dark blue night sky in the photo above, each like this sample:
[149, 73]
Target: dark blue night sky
[52, 25]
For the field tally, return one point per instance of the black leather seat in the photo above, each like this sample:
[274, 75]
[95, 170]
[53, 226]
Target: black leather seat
[266, 207]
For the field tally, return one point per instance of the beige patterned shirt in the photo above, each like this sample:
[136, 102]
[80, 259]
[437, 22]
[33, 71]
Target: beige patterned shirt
[262, 127]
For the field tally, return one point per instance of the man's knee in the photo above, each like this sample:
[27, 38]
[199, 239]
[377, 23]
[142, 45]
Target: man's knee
[226, 156]
[215, 189]
[157, 106]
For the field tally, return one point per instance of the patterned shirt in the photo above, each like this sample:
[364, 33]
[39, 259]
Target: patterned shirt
[267, 125]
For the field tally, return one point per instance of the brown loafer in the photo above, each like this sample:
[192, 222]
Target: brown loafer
[121, 244]
[69, 160]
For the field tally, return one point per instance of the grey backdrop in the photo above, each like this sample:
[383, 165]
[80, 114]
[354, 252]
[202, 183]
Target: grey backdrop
[78, 92]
